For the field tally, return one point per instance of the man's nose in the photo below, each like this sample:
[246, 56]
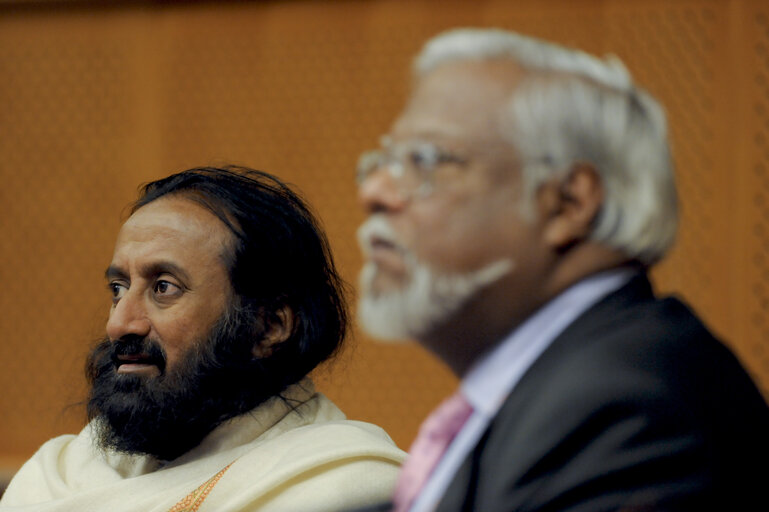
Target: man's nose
[128, 317]
[381, 192]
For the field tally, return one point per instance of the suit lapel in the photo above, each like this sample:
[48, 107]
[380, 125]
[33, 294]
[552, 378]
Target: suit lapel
[461, 494]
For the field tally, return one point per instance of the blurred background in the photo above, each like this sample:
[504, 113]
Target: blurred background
[99, 97]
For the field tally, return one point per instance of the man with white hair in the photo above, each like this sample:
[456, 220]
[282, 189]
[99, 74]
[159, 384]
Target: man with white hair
[513, 212]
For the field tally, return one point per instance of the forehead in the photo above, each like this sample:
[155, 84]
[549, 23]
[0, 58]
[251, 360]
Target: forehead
[459, 100]
[176, 228]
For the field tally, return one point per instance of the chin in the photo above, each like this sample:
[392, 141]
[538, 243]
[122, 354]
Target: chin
[425, 302]
[376, 280]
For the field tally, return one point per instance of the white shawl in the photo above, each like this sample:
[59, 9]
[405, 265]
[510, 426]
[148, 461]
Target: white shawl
[295, 455]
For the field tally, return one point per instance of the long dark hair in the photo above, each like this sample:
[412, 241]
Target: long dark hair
[281, 257]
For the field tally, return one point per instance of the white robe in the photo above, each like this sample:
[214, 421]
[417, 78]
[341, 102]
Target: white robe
[284, 456]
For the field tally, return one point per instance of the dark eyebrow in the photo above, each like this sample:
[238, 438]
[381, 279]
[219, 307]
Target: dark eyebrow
[113, 272]
[151, 269]
[164, 267]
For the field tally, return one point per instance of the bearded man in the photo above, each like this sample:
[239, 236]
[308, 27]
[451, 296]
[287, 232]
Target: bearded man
[515, 208]
[224, 297]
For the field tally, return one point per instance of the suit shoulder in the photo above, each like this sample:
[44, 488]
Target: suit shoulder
[631, 391]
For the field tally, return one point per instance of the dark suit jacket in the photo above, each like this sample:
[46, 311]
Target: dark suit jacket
[635, 406]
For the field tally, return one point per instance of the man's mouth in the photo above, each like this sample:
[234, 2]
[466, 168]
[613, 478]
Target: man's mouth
[378, 243]
[137, 364]
[386, 253]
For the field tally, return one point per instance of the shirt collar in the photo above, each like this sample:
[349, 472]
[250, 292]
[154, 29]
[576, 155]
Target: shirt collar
[494, 376]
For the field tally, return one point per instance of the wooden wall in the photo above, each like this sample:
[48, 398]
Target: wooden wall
[95, 100]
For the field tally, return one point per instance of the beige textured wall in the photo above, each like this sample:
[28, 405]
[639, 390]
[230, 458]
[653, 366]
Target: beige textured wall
[96, 100]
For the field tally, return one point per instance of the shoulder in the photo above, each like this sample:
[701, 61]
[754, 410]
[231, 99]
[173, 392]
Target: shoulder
[48, 469]
[327, 434]
[639, 390]
[339, 438]
[652, 358]
[312, 436]
[633, 341]
[323, 465]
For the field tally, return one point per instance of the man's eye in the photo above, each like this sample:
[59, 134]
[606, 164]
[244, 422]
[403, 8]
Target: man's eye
[424, 158]
[117, 290]
[166, 288]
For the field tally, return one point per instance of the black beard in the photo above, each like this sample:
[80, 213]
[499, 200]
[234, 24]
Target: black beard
[165, 416]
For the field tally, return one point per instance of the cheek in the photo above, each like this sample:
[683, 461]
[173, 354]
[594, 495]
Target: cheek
[179, 333]
[467, 237]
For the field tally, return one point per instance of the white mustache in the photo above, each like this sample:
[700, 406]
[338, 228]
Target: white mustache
[377, 228]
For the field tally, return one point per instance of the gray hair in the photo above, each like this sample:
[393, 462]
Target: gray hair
[573, 107]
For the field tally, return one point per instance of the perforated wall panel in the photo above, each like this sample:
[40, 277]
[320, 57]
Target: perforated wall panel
[752, 291]
[98, 100]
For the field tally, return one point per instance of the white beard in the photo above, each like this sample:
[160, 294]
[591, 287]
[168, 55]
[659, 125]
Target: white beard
[426, 301]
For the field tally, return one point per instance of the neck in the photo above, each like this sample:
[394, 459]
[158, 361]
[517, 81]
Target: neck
[497, 310]
[475, 329]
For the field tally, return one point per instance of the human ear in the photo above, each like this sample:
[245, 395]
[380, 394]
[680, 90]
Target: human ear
[278, 329]
[568, 206]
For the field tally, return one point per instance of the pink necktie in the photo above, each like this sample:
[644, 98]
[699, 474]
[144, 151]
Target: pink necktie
[434, 437]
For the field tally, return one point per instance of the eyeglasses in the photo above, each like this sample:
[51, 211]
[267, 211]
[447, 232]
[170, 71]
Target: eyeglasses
[412, 165]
